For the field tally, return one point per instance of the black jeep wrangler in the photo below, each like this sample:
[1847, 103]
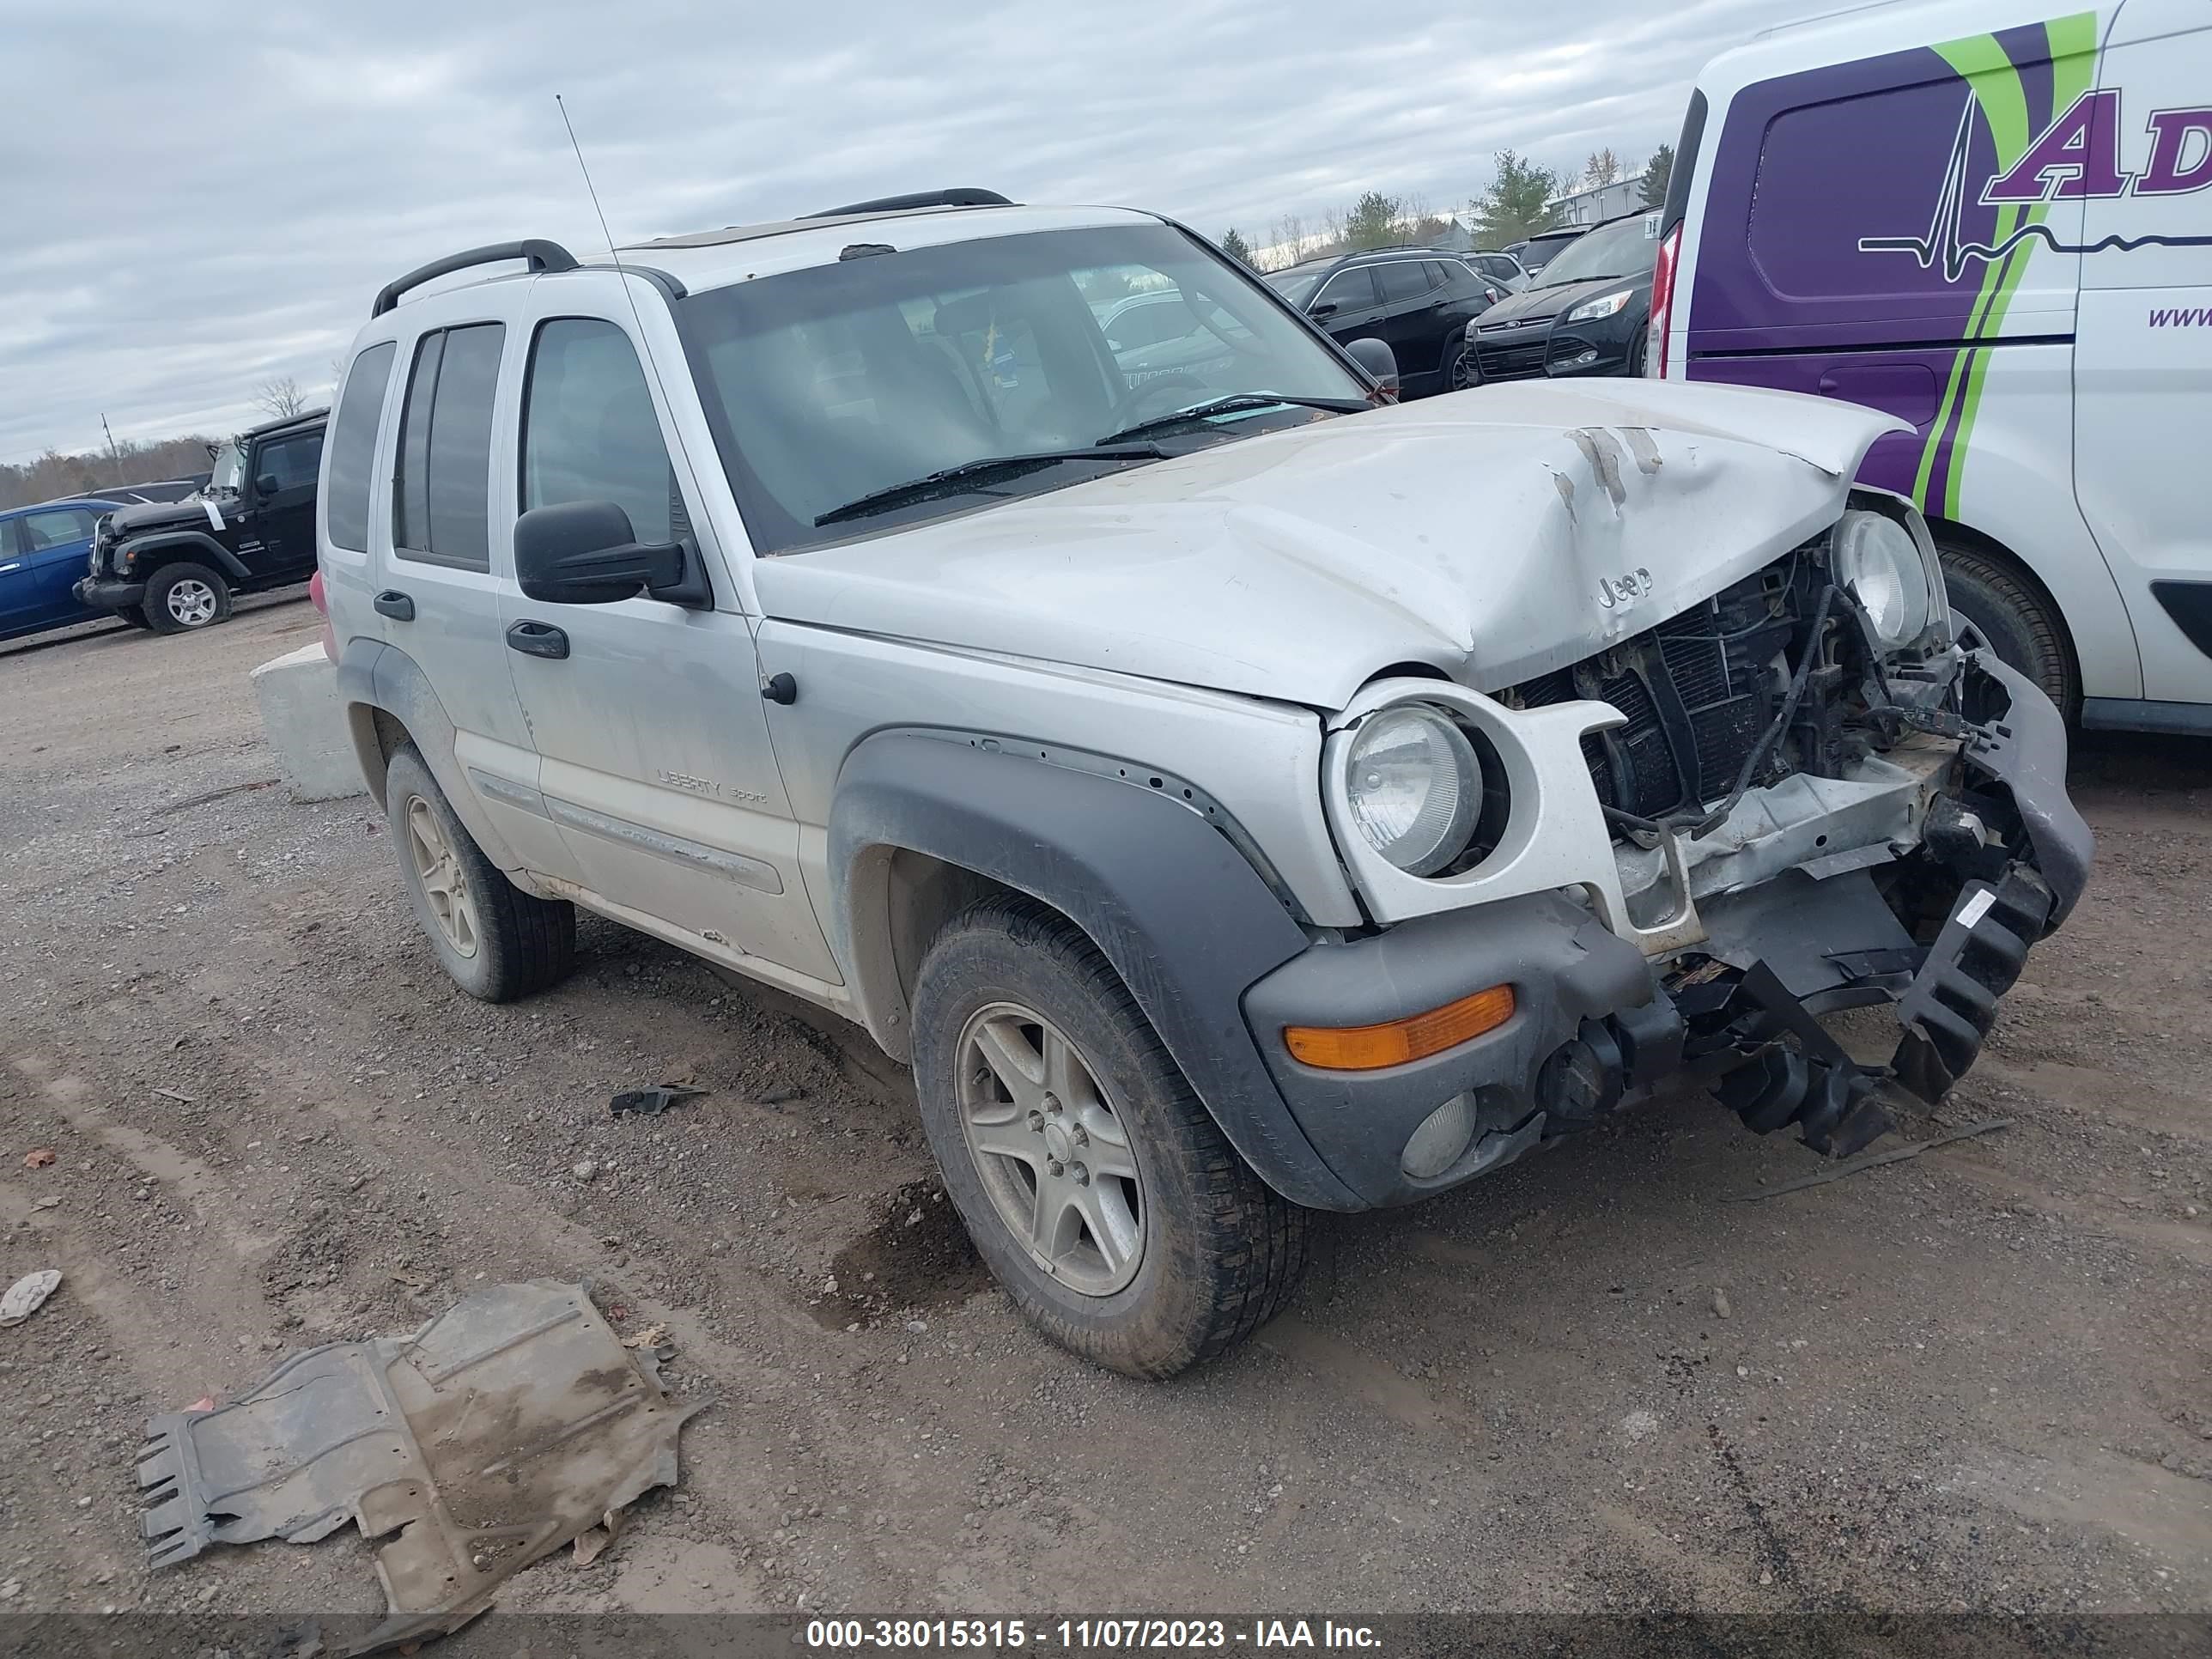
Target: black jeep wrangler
[172, 566]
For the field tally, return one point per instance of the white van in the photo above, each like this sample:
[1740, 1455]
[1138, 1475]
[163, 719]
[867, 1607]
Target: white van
[1996, 223]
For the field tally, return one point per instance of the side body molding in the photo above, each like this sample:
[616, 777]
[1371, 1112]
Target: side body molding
[1184, 919]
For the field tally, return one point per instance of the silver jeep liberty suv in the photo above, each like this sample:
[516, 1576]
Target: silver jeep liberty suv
[1235, 794]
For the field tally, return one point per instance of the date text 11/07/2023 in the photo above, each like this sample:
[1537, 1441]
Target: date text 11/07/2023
[1089, 1635]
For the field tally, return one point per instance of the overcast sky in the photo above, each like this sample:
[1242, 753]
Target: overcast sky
[199, 198]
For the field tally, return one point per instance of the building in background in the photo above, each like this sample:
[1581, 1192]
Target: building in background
[1595, 204]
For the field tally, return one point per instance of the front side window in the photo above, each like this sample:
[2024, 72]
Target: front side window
[442, 494]
[55, 527]
[828, 385]
[288, 463]
[353, 445]
[1348, 290]
[589, 432]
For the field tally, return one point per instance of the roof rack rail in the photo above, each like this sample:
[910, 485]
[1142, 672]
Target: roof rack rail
[961, 196]
[542, 255]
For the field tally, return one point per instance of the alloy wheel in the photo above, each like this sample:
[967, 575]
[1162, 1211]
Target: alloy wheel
[1052, 1152]
[445, 882]
[192, 602]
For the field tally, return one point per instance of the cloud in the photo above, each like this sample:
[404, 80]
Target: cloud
[202, 199]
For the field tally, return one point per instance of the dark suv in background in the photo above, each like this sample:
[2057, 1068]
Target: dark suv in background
[174, 565]
[1416, 300]
[1587, 312]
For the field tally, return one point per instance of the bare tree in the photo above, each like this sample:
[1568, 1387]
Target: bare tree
[1603, 167]
[280, 397]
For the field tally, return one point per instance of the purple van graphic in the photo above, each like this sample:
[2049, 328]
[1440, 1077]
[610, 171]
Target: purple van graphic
[2075, 156]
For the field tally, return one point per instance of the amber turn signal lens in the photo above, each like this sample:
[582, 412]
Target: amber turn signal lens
[1372, 1048]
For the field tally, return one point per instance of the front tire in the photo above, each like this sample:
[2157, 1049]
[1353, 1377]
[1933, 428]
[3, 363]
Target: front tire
[495, 941]
[2012, 612]
[183, 598]
[1090, 1177]
[1461, 370]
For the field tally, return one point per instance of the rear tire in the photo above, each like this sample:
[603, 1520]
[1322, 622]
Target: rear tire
[2012, 612]
[496, 941]
[1164, 1247]
[183, 598]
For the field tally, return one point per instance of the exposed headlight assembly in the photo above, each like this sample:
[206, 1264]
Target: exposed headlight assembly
[1606, 305]
[1414, 786]
[1877, 561]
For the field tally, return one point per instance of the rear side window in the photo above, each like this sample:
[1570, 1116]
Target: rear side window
[1402, 279]
[442, 491]
[353, 445]
[589, 432]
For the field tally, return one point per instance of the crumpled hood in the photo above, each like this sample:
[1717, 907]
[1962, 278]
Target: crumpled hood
[1495, 534]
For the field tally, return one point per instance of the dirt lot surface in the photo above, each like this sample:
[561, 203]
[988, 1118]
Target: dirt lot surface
[1976, 1380]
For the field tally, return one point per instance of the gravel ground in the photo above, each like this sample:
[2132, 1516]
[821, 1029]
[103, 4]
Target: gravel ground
[1977, 1380]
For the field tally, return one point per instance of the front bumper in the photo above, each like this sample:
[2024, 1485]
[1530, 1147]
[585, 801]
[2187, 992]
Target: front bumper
[1940, 936]
[102, 593]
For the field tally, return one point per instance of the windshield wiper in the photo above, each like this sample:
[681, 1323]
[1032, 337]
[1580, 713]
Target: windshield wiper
[1234, 403]
[958, 480]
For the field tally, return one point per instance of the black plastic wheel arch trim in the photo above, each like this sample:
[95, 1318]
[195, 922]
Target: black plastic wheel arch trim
[1186, 922]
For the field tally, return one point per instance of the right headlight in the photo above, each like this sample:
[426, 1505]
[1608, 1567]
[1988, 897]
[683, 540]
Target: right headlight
[1879, 563]
[1414, 786]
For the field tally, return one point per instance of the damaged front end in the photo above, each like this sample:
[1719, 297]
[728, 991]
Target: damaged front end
[1802, 795]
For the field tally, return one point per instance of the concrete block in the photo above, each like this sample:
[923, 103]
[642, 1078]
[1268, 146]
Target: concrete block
[300, 714]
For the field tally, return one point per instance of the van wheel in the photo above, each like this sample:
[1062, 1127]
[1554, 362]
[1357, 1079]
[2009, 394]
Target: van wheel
[2017, 619]
[496, 941]
[1089, 1174]
[182, 597]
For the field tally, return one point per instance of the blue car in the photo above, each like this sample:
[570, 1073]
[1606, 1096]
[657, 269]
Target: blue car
[43, 552]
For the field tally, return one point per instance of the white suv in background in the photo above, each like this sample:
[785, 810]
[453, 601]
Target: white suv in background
[1234, 794]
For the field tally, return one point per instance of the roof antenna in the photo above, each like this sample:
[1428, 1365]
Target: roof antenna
[644, 341]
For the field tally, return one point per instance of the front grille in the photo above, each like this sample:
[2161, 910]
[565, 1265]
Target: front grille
[1698, 691]
[1515, 362]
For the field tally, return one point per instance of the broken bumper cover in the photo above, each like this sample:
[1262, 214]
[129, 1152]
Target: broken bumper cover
[1802, 947]
[1588, 1020]
[1595, 1017]
[101, 593]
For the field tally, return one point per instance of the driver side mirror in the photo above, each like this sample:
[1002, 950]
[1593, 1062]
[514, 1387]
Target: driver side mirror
[1326, 308]
[266, 484]
[1378, 360]
[586, 553]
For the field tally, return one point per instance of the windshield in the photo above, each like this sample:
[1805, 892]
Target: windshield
[1296, 285]
[1628, 247]
[229, 469]
[829, 384]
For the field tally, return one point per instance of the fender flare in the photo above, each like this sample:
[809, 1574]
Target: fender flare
[1184, 919]
[373, 677]
[206, 546]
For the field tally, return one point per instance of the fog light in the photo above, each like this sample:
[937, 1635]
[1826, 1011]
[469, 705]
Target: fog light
[1394, 1043]
[1580, 360]
[1443, 1137]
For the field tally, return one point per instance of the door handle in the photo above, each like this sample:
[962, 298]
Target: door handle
[395, 605]
[537, 639]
